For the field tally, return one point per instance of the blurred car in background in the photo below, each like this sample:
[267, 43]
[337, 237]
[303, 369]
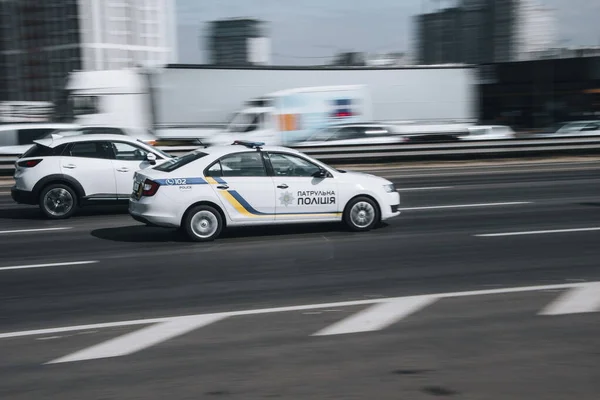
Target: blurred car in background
[354, 134]
[488, 132]
[16, 139]
[425, 133]
[580, 128]
[570, 129]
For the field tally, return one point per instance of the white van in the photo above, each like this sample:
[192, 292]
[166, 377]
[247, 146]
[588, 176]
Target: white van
[290, 116]
[15, 139]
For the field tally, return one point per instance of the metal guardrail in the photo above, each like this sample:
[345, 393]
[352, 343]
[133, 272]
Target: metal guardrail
[462, 150]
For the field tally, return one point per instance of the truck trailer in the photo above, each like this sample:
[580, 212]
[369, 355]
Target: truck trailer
[198, 101]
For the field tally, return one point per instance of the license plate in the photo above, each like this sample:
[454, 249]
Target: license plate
[137, 190]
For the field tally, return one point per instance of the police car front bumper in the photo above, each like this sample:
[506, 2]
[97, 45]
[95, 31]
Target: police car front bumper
[392, 208]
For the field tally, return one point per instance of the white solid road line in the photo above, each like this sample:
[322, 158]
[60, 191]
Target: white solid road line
[424, 188]
[63, 264]
[140, 339]
[582, 299]
[378, 316]
[512, 203]
[35, 230]
[538, 232]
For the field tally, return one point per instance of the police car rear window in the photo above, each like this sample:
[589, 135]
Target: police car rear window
[179, 162]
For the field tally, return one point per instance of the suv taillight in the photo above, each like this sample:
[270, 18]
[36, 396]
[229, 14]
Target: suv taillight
[29, 163]
[150, 188]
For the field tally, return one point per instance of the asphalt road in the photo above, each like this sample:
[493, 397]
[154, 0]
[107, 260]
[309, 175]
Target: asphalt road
[117, 287]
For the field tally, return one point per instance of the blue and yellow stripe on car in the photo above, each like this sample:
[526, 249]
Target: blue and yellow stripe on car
[215, 180]
[241, 205]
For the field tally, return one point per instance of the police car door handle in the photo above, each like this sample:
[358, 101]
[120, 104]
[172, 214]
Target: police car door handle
[223, 187]
[70, 166]
[123, 169]
[282, 186]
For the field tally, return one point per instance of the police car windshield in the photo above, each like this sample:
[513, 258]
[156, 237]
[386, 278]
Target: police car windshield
[179, 162]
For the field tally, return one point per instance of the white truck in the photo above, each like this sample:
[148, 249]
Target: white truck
[198, 101]
[289, 116]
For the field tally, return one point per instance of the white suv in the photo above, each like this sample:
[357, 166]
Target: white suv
[62, 173]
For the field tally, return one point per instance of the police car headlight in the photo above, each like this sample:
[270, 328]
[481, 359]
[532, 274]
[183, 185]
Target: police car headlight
[390, 188]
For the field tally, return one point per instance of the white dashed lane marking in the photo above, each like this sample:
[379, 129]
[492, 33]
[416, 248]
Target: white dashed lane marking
[414, 189]
[546, 232]
[33, 230]
[62, 264]
[512, 203]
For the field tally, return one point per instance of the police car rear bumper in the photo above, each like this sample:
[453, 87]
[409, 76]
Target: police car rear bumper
[147, 214]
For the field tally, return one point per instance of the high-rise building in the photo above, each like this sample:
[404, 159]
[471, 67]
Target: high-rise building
[485, 31]
[439, 36]
[42, 41]
[238, 42]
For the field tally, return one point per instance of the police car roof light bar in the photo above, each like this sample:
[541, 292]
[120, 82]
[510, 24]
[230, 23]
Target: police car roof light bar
[251, 145]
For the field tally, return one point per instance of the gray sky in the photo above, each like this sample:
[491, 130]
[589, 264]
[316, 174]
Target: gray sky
[310, 31]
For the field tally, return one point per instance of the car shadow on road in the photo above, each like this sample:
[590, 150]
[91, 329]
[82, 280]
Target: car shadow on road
[139, 234]
[142, 233]
[591, 204]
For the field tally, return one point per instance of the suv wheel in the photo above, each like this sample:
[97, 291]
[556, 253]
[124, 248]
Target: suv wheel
[203, 223]
[58, 201]
[361, 214]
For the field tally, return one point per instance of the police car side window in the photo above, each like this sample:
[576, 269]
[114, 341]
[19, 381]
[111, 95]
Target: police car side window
[243, 164]
[214, 170]
[291, 165]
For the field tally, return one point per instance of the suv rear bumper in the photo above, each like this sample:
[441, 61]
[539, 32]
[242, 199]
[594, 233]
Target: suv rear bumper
[22, 196]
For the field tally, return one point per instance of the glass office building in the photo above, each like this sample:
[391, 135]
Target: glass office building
[42, 41]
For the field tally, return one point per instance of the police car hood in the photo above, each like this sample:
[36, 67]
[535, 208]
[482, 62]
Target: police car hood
[363, 177]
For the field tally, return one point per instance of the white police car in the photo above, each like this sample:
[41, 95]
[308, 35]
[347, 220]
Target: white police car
[247, 184]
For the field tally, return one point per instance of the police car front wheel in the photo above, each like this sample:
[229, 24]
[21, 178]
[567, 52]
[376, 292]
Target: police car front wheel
[361, 214]
[203, 223]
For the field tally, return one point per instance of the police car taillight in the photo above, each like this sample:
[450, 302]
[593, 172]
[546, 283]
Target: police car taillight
[150, 188]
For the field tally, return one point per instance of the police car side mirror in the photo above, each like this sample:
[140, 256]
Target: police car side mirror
[321, 173]
[151, 158]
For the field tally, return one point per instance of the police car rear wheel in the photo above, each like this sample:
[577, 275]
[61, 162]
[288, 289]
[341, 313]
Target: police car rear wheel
[361, 214]
[203, 223]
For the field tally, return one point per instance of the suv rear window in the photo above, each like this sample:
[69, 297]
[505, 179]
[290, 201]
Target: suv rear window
[37, 150]
[27, 136]
[179, 162]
